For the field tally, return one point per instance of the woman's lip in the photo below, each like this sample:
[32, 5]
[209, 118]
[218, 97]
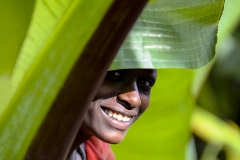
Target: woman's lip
[121, 125]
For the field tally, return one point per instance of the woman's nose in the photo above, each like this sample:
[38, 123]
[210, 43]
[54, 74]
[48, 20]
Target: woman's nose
[132, 98]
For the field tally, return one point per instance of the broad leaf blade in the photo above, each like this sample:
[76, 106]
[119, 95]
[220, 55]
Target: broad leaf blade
[45, 75]
[172, 34]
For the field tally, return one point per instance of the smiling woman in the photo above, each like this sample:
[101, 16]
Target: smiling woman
[57, 81]
[121, 99]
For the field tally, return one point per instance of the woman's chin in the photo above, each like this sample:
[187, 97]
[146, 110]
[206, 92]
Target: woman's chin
[113, 141]
[113, 138]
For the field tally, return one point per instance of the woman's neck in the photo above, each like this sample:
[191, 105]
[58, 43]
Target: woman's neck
[81, 137]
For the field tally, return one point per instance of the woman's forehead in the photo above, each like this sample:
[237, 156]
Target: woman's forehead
[138, 72]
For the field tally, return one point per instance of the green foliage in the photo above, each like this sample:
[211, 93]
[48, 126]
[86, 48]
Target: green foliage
[15, 18]
[51, 48]
[172, 34]
[217, 133]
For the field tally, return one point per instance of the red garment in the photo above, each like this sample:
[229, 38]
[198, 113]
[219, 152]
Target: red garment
[98, 150]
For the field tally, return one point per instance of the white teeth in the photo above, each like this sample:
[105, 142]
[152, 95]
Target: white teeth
[125, 119]
[117, 116]
[110, 113]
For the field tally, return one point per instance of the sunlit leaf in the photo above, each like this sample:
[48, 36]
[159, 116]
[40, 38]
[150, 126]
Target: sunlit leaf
[70, 26]
[172, 34]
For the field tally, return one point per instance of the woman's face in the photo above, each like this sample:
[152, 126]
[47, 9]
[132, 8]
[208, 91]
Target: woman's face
[121, 99]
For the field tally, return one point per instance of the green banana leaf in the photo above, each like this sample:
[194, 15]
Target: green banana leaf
[43, 65]
[172, 34]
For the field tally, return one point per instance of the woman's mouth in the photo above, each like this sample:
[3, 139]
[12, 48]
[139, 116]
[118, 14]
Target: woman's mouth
[117, 116]
[116, 119]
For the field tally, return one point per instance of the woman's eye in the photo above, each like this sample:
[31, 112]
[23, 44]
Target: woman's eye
[114, 75]
[147, 83]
